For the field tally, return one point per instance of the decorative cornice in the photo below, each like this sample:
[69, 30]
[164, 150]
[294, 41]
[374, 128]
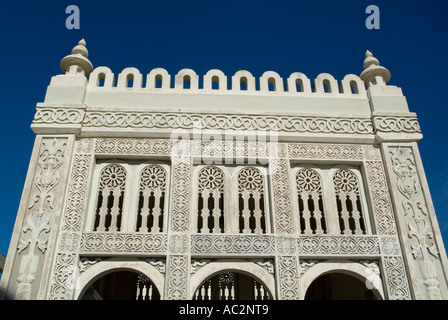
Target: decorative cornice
[50, 115]
[388, 124]
[226, 121]
[396, 124]
[158, 120]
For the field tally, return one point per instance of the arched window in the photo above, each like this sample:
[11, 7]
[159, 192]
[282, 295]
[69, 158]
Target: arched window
[310, 201]
[271, 84]
[251, 205]
[327, 86]
[101, 79]
[243, 84]
[110, 198]
[122, 285]
[339, 286]
[186, 82]
[158, 81]
[151, 200]
[130, 81]
[354, 87]
[348, 202]
[211, 200]
[215, 83]
[299, 85]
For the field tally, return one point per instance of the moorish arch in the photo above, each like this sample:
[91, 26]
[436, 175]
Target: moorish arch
[248, 269]
[103, 268]
[351, 269]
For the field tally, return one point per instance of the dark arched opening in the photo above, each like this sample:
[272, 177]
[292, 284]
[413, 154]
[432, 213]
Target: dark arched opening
[232, 286]
[122, 285]
[338, 286]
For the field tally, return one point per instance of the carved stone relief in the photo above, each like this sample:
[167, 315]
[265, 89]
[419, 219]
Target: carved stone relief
[63, 278]
[285, 246]
[42, 209]
[419, 229]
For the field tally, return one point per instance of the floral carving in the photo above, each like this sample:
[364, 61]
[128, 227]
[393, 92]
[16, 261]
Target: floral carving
[396, 278]
[177, 278]
[415, 211]
[282, 196]
[307, 180]
[345, 181]
[35, 233]
[289, 271]
[153, 177]
[382, 206]
[113, 176]
[77, 192]
[211, 178]
[324, 151]
[228, 244]
[250, 179]
[101, 242]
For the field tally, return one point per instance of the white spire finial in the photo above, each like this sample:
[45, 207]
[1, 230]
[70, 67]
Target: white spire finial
[77, 62]
[374, 73]
[81, 49]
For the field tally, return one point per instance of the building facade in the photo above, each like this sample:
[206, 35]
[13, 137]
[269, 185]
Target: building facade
[218, 188]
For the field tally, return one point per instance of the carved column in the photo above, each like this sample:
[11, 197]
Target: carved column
[65, 262]
[287, 262]
[395, 276]
[424, 252]
[178, 259]
[38, 216]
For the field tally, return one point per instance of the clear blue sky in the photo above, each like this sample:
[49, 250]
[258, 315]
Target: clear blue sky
[283, 36]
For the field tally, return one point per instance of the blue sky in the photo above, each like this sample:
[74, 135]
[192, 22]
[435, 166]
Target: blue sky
[283, 36]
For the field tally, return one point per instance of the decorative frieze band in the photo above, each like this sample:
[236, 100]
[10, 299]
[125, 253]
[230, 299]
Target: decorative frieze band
[396, 124]
[263, 245]
[163, 147]
[94, 242]
[341, 245]
[324, 151]
[233, 244]
[286, 124]
[58, 116]
[110, 119]
[133, 146]
[225, 121]
[99, 242]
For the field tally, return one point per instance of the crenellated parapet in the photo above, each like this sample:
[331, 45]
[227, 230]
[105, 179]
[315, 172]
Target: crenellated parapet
[86, 100]
[215, 81]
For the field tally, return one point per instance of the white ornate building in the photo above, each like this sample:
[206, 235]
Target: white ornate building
[264, 188]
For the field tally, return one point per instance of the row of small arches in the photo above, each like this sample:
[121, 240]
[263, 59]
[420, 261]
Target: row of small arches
[216, 81]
